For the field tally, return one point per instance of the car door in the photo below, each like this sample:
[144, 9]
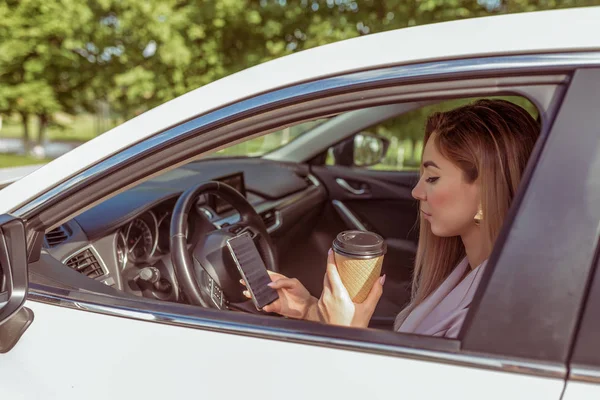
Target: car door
[82, 345]
[584, 364]
[584, 369]
[87, 344]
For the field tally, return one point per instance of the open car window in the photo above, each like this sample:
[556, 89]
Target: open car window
[125, 242]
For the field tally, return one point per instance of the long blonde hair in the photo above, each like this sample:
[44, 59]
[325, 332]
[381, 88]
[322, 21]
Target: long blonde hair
[489, 140]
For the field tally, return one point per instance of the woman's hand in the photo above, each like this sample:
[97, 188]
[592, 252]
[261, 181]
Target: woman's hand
[294, 299]
[335, 305]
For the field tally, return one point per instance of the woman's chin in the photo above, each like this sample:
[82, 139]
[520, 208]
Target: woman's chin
[439, 231]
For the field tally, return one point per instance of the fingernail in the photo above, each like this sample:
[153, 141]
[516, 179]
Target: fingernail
[382, 280]
[242, 281]
[270, 284]
[246, 293]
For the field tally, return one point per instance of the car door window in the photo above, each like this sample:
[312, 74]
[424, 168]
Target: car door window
[261, 145]
[403, 136]
[139, 239]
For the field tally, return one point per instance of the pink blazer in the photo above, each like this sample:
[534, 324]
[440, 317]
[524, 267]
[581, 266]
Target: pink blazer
[444, 311]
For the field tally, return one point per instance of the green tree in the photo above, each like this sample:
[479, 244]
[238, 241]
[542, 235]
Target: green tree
[132, 55]
[27, 98]
[41, 65]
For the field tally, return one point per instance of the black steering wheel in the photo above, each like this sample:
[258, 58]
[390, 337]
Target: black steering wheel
[205, 269]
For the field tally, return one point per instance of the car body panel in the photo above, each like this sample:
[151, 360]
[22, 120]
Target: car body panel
[127, 358]
[498, 35]
[581, 391]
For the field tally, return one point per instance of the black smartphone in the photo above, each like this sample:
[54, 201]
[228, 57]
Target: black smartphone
[253, 269]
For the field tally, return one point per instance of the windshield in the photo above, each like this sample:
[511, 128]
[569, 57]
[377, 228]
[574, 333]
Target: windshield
[272, 141]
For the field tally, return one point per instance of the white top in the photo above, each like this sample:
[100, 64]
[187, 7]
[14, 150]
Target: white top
[444, 311]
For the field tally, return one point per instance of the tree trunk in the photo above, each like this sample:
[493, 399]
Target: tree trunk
[42, 128]
[24, 116]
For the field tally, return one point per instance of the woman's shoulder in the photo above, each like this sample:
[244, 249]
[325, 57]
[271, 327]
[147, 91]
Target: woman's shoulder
[445, 310]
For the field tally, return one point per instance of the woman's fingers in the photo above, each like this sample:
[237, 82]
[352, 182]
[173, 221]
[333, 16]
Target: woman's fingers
[283, 283]
[247, 294]
[333, 275]
[375, 293]
[273, 275]
[330, 257]
[326, 283]
[268, 308]
[276, 276]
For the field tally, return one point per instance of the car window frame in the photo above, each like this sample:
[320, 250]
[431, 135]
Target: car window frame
[389, 343]
[584, 356]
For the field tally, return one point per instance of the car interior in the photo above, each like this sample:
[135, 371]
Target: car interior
[164, 239]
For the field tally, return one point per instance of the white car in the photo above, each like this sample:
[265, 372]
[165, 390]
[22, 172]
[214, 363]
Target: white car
[101, 297]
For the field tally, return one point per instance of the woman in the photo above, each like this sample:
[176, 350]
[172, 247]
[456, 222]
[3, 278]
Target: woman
[473, 160]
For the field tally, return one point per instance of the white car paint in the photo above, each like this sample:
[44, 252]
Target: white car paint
[74, 354]
[581, 391]
[548, 31]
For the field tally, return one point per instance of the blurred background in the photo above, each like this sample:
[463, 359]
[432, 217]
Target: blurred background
[73, 69]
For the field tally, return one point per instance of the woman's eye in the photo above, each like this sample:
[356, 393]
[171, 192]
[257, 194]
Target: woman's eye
[432, 179]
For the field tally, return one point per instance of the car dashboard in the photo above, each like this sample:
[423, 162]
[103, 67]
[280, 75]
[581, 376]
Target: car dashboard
[126, 238]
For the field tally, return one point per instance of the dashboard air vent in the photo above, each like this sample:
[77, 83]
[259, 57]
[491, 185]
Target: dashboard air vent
[56, 236]
[87, 263]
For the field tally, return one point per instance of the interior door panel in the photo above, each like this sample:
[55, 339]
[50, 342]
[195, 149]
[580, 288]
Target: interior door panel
[381, 202]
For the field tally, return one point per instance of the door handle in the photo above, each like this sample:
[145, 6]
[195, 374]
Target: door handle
[347, 187]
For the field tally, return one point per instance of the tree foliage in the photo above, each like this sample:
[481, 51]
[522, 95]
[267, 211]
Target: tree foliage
[131, 55]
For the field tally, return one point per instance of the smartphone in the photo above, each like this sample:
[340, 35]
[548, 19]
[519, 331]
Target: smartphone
[253, 269]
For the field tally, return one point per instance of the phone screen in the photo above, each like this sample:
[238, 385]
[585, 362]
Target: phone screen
[253, 270]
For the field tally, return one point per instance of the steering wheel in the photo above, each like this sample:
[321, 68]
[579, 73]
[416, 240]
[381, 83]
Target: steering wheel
[205, 269]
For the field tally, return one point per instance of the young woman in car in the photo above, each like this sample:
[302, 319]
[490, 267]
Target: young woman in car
[472, 163]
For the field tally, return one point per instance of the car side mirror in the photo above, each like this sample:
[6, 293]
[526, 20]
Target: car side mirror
[361, 150]
[369, 149]
[13, 266]
[14, 318]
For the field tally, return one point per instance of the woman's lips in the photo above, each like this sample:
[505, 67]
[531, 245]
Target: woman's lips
[426, 214]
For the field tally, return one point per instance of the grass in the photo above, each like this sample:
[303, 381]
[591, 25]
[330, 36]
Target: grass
[15, 160]
[81, 128]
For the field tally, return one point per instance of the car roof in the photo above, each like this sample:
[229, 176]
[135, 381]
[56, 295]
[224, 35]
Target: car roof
[526, 33]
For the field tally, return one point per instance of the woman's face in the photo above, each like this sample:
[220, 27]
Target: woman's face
[447, 201]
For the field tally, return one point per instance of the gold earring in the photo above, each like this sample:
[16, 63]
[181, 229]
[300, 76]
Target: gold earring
[479, 216]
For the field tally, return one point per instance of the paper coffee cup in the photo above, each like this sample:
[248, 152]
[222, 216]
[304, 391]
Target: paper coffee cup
[359, 257]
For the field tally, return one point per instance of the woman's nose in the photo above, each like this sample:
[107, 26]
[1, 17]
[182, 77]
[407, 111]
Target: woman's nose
[418, 192]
